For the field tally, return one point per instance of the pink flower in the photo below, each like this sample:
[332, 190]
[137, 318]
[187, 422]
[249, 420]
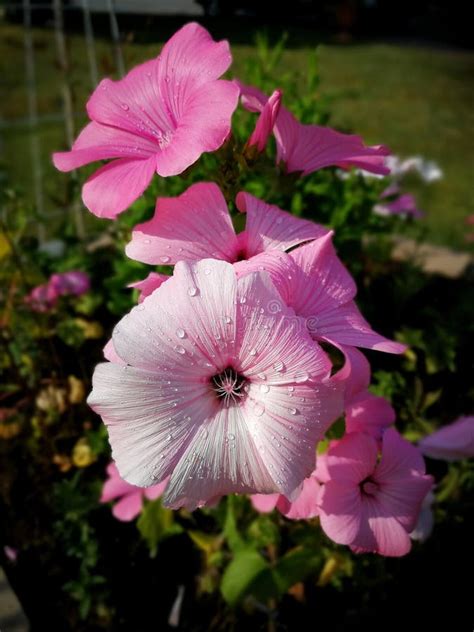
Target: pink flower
[403, 205]
[129, 497]
[372, 505]
[217, 392]
[307, 148]
[452, 442]
[197, 224]
[313, 281]
[74, 282]
[161, 117]
[42, 298]
[265, 122]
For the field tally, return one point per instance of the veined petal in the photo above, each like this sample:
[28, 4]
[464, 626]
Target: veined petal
[100, 142]
[111, 189]
[270, 228]
[192, 226]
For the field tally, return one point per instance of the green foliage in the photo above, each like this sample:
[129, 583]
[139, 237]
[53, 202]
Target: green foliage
[155, 524]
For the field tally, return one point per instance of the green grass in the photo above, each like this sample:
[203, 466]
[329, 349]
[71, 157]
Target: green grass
[416, 100]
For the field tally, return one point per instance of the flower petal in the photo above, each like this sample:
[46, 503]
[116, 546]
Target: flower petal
[452, 442]
[306, 505]
[192, 226]
[264, 503]
[270, 228]
[204, 125]
[369, 413]
[352, 459]
[129, 507]
[339, 511]
[345, 325]
[100, 142]
[266, 122]
[148, 285]
[115, 186]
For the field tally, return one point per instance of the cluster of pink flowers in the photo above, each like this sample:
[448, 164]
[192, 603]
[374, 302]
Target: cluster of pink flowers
[44, 298]
[216, 382]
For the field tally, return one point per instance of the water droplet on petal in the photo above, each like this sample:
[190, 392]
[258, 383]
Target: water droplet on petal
[180, 333]
[253, 351]
[279, 366]
[125, 106]
[179, 349]
[301, 376]
[165, 259]
[193, 291]
[231, 436]
[228, 320]
[264, 388]
[258, 409]
[292, 411]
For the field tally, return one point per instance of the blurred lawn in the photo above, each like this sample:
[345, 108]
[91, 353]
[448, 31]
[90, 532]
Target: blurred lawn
[416, 100]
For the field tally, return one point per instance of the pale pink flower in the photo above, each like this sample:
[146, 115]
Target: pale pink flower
[372, 505]
[129, 497]
[161, 117]
[265, 122]
[197, 224]
[217, 392]
[452, 442]
[312, 280]
[307, 148]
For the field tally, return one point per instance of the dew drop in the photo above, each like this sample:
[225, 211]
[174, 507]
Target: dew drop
[228, 320]
[301, 376]
[264, 388]
[193, 291]
[165, 259]
[253, 351]
[292, 411]
[258, 409]
[125, 106]
[181, 333]
[179, 349]
[279, 366]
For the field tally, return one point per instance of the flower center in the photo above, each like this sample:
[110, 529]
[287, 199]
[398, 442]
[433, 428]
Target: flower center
[369, 487]
[229, 386]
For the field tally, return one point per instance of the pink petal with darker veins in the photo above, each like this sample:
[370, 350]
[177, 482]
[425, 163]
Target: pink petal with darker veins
[270, 228]
[192, 226]
[115, 186]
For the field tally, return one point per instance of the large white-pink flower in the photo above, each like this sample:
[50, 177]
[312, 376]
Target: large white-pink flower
[213, 389]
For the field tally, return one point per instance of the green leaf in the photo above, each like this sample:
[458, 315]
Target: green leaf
[294, 567]
[155, 524]
[241, 574]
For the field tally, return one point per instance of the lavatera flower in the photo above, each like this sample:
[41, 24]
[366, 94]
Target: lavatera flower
[209, 387]
[159, 118]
